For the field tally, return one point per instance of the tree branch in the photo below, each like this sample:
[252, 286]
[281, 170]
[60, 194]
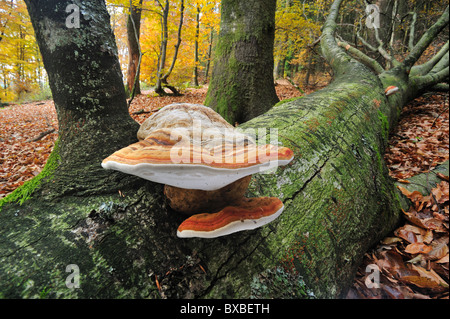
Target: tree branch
[426, 40]
[426, 81]
[366, 60]
[412, 31]
[443, 63]
[382, 51]
[424, 68]
[336, 57]
[440, 87]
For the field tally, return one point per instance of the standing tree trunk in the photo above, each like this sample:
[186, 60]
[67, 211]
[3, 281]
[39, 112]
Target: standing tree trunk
[162, 74]
[87, 88]
[118, 232]
[133, 33]
[242, 83]
[208, 59]
[197, 33]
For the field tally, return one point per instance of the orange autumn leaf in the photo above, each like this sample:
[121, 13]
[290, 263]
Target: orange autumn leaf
[442, 176]
[413, 196]
[418, 248]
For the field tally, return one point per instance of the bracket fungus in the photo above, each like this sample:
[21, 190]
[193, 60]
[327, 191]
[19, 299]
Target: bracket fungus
[390, 90]
[206, 165]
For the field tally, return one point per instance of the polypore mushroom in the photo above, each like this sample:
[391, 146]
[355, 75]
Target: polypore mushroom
[249, 213]
[205, 164]
[390, 90]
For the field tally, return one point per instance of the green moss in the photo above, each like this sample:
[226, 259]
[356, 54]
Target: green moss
[24, 192]
[277, 283]
[384, 125]
[287, 100]
[379, 160]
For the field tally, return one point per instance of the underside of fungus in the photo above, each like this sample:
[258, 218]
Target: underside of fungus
[206, 165]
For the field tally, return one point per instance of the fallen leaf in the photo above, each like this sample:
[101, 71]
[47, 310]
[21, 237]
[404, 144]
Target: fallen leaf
[442, 176]
[439, 248]
[428, 238]
[414, 196]
[409, 236]
[429, 279]
[443, 260]
[391, 262]
[418, 248]
[391, 240]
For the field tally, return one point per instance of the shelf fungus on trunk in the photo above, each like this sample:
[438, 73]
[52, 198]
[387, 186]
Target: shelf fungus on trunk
[390, 90]
[206, 165]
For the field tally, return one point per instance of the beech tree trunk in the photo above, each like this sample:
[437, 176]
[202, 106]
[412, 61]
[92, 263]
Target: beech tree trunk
[242, 83]
[87, 88]
[133, 33]
[120, 236]
[196, 60]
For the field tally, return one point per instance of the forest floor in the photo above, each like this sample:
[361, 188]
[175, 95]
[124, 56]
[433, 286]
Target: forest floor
[412, 262]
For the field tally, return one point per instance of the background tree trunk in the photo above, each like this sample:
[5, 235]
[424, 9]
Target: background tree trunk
[196, 60]
[208, 59]
[163, 75]
[339, 199]
[133, 33]
[242, 83]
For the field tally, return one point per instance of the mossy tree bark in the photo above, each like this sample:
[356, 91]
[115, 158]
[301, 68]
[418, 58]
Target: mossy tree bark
[242, 83]
[339, 200]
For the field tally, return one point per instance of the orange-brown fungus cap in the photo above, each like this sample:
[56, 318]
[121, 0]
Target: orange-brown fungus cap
[250, 213]
[191, 146]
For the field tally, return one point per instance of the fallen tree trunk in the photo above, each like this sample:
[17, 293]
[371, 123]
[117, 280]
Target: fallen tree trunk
[339, 201]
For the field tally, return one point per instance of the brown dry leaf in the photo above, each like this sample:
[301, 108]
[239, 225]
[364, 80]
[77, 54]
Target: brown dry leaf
[443, 260]
[426, 223]
[439, 195]
[390, 240]
[391, 262]
[421, 141]
[442, 176]
[439, 249]
[435, 224]
[418, 248]
[428, 238]
[430, 279]
[407, 235]
[413, 196]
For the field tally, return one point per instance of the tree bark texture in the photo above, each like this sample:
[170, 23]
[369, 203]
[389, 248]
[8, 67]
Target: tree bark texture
[339, 201]
[242, 83]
